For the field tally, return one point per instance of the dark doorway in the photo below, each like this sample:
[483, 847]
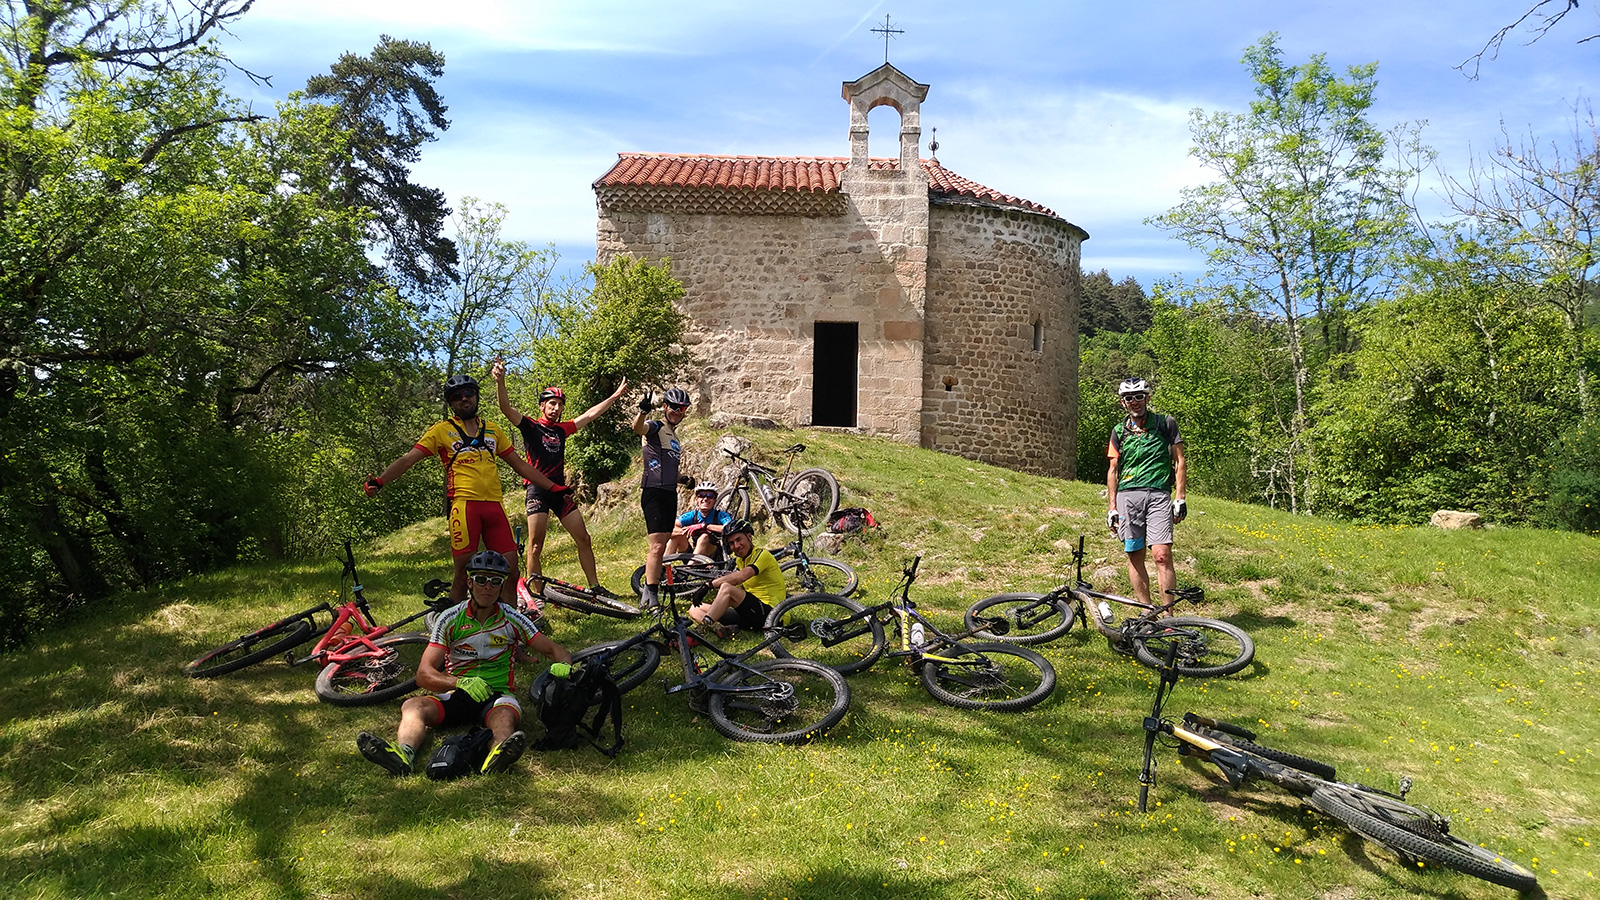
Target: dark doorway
[833, 374]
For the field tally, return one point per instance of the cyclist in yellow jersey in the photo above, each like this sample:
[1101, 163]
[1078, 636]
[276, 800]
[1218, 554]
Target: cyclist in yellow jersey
[468, 448]
[748, 592]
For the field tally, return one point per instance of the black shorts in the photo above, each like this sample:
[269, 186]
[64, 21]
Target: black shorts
[660, 507]
[542, 501]
[751, 615]
[459, 708]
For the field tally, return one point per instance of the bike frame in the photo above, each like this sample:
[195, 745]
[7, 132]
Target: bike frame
[709, 678]
[353, 632]
[768, 483]
[1082, 593]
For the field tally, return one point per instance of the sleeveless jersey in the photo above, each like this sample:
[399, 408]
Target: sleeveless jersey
[1145, 454]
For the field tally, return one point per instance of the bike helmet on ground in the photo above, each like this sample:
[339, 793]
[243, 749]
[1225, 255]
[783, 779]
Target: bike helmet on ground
[677, 397]
[552, 393]
[457, 384]
[490, 562]
[1133, 386]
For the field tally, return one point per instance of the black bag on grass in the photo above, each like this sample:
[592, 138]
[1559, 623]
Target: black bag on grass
[850, 520]
[564, 704]
[460, 754]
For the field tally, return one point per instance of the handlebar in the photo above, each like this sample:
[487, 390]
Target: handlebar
[910, 572]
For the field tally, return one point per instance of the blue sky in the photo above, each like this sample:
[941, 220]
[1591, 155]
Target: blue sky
[1081, 106]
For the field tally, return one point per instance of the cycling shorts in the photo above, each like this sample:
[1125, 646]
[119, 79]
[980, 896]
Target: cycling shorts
[471, 520]
[1146, 518]
[458, 708]
[660, 507]
[541, 501]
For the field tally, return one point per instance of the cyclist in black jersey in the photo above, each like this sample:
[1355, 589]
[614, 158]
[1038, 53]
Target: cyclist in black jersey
[658, 495]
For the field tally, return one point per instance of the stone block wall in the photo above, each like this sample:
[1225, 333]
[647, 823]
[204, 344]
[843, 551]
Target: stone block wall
[987, 393]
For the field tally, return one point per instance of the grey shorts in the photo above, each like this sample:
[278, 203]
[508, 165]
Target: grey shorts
[1146, 518]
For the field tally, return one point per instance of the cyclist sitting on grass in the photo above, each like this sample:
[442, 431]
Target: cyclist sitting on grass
[749, 591]
[702, 525]
[544, 440]
[470, 666]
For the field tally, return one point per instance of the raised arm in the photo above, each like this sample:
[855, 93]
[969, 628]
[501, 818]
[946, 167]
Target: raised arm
[595, 411]
[498, 371]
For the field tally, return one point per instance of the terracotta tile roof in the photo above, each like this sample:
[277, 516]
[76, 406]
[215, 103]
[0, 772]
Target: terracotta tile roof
[813, 174]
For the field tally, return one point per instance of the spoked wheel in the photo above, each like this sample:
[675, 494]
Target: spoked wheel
[834, 631]
[735, 501]
[1001, 677]
[817, 493]
[1415, 834]
[250, 649]
[671, 559]
[630, 667]
[1206, 647]
[374, 677]
[578, 599]
[822, 576]
[789, 701]
[1028, 618]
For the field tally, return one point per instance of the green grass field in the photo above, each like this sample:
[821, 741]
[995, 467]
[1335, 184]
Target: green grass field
[1464, 659]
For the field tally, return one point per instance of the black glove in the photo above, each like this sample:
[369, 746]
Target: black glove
[687, 481]
[646, 403]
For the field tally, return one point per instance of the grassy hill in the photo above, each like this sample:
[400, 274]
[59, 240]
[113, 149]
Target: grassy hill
[1465, 659]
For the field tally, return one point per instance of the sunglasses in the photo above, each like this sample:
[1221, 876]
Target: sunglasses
[676, 408]
[490, 580]
[460, 395]
[1135, 396]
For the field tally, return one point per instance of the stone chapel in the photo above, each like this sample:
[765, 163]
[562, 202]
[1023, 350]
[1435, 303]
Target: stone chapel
[888, 296]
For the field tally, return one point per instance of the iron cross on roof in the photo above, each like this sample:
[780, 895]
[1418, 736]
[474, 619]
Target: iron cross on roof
[887, 33]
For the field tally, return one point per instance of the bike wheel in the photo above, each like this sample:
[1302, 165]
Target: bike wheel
[576, 598]
[1029, 618]
[1001, 677]
[822, 576]
[1208, 648]
[629, 667]
[831, 630]
[735, 501]
[818, 493]
[671, 559]
[374, 677]
[1414, 834]
[251, 649]
[791, 701]
[1292, 760]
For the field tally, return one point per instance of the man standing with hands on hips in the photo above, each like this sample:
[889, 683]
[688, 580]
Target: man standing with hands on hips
[1147, 469]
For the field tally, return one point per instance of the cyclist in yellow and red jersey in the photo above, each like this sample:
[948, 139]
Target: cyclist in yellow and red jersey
[470, 665]
[468, 448]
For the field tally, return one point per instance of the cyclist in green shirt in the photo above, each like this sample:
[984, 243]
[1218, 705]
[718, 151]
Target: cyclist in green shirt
[1147, 469]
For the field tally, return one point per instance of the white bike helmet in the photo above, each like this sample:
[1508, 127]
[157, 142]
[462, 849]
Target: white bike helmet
[1133, 386]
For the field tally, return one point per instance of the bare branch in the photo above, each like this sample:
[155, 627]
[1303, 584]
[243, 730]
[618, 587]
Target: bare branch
[1544, 22]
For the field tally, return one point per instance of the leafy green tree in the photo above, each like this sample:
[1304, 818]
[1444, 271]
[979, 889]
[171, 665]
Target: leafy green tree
[1107, 306]
[627, 327]
[1303, 220]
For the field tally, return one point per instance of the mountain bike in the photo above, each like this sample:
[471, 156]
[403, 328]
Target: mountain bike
[1206, 647]
[1418, 834]
[802, 572]
[567, 595]
[785, 701]
[803, 502]
[849, 637]
[361, 662]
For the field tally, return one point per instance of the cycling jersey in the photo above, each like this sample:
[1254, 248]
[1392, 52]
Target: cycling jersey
[695, 517]
[767, 584]
[661, 452]
[485, 649]
[470, 471]
[545, 444]
[1145, 452]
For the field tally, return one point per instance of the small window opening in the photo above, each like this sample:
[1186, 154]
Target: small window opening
[1038, 336]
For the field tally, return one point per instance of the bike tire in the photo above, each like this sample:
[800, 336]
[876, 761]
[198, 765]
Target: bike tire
[820, 492]
[251, 649]
[636, 581]
[1416, 836]
[1001, 677]
[815, 700]
[1315, 767]
[629, 667]
[810, 627]
[586, 602]
[826, 576]
[1033, 618]
[1219, 649]
[370, 680]
[735, 501]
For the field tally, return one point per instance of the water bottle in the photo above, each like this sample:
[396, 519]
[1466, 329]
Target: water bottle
[1105, 612]
[916, 634]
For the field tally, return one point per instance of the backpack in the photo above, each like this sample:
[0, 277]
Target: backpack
[564, 702]
[460, 754]
[850, 520]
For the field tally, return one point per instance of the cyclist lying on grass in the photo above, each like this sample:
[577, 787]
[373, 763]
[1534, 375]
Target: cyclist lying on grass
[469, 665]
[749, 591]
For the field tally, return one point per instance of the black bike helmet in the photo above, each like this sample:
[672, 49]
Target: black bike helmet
[459, 383]
[677, 397]
[489, 562]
